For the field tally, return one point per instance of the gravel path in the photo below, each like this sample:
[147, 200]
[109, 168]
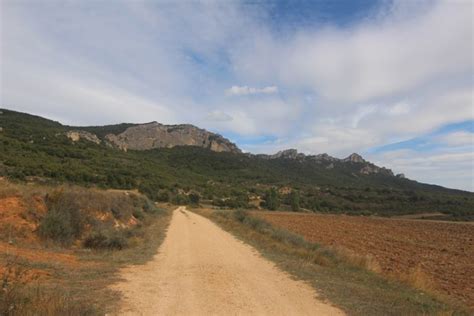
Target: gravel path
[201, 269]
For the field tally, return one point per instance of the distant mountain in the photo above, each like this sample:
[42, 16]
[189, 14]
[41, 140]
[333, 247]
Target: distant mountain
[153, 135]
[168, 162]
[364, 166]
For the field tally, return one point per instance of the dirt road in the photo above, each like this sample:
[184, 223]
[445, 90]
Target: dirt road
[201, 269]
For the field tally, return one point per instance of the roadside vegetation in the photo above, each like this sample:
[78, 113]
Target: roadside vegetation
[61, 247]
[345, 279]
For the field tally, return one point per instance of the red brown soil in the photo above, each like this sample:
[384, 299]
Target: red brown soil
[18, 223]
[39, 255]
[443, 252]
[16, 219]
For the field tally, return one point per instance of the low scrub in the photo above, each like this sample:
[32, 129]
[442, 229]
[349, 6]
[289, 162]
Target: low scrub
[294, 243]
[121, 227]
[114, 240]
[68, 214]
[58, 226]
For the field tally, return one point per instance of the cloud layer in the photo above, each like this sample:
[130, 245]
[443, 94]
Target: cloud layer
[398, 74]
[244, 90]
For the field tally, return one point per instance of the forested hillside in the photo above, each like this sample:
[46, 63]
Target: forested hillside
[37, 149]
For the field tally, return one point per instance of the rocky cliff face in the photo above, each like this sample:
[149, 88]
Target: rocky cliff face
[355, 160]
[156, 135]
[77, 135]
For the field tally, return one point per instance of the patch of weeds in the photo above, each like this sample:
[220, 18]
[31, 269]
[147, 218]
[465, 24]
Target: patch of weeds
[111, 240]
[18, 297]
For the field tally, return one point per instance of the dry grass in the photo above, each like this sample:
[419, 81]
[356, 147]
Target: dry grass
[41, 276]
[361, 261]
[20, 296]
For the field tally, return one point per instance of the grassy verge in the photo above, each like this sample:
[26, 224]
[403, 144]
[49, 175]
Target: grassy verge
[345, 281]
[79, 289]
[112, 261]
[68, 269]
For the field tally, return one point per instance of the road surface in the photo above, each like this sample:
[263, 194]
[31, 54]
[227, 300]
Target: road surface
[202, 270]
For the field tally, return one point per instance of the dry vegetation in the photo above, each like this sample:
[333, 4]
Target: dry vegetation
[433, 256]
[346, 279]
[61, 247]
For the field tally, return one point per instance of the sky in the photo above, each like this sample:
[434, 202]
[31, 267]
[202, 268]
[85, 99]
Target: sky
[391, 80]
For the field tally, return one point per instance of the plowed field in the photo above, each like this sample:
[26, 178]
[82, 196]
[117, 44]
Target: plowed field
[441, 254]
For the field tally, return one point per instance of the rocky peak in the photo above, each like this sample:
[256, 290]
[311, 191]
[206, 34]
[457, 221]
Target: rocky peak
[156, 135]
[287, 154]
[354, 158]
[323, 158]
[330, 162]
[77, 135]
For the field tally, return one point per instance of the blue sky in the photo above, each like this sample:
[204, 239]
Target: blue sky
[392, 80]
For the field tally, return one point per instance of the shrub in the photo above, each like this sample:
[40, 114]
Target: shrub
[256, 224]
[181, 199]
[163, 196]
[194, 198]
[63, 220]
[113, 240]
[95, 240]
[116, 241]
[148, 206]
[57, 226]
[116, 212]
[64, 214]
[240, 215]
[138, 214]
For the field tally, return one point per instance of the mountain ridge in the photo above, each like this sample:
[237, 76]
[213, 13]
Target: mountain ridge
[37, 149]
[152, 135]
[124, 136]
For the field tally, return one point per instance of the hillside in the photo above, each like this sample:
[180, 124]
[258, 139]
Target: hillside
[37, 149]
[152, 135]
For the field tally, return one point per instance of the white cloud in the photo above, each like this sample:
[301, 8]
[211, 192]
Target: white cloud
[218, 116]
[455, 169]
[337, 90]
[255, 117]
[399, 108]
[244, 90]
[460, 138]
[397, 54]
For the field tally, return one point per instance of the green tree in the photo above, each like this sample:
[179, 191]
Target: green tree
[194, 198]
[295, 201]
[271, 199]
[163, 196]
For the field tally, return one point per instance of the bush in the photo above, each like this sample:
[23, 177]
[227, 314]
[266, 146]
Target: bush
[114, 240]
[57, 226]
[194, 198]
[240, 215]
[148, 206]
[95, 240]
[163, 196]
[181, 199]
[232, 202]
[63, 220]
[138, 214]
